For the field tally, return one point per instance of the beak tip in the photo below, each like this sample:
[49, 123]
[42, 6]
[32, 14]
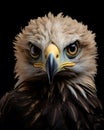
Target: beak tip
[50, 82]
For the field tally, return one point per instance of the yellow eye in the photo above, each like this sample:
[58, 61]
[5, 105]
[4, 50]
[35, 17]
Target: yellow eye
[35, 51]
[72, 49]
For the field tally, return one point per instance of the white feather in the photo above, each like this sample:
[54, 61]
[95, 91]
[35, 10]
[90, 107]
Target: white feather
[81, 90]
[72, 91]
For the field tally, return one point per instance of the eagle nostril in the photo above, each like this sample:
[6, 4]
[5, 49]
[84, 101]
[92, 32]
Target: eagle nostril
[57, 56]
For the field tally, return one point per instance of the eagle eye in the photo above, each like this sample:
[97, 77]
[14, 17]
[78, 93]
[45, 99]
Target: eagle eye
[35, 51]
[72, 49]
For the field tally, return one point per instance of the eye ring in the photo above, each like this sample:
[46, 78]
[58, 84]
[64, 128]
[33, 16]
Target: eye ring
[72, 49]
[35, 51]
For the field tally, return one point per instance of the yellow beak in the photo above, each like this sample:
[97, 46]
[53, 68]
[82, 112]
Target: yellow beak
[52, 55]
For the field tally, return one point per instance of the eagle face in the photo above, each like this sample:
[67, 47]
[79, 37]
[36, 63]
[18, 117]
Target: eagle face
[55, 46]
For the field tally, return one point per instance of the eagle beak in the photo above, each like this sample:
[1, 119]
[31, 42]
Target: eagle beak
[52, 56]
[51, 67]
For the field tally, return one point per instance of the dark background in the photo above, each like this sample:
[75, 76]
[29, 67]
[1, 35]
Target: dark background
[14, 16]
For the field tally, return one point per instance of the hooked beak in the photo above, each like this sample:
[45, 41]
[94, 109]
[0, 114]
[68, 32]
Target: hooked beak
[52, 55]
[51, 67]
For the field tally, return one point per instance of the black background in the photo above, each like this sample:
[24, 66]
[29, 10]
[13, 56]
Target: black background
[15, 15]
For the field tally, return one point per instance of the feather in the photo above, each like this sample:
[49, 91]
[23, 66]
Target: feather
[83, 104]
[81, 90]
[72, 91]
[72, 111]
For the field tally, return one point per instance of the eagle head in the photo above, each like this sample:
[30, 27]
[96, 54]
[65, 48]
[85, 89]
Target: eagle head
[56, 46]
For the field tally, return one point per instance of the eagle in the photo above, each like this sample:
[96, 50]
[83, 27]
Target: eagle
[55, 68]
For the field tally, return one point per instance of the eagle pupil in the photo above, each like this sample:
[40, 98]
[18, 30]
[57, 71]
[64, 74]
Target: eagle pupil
[72, 47]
